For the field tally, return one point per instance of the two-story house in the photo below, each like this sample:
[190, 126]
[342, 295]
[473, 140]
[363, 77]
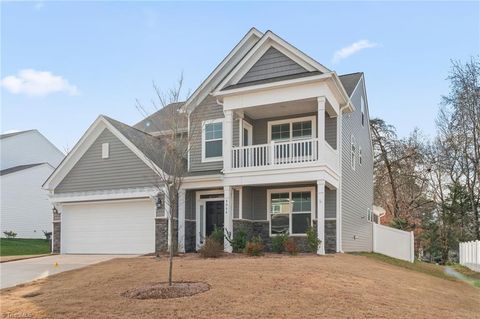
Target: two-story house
[283, 145]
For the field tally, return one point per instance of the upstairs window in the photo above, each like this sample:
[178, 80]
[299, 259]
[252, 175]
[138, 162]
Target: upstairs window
[353, 151]
[362, 107]
[212, 140]
[360, 160]
[369, 215]
[292, 129]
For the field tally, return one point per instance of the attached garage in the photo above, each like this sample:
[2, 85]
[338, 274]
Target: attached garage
[108, 227]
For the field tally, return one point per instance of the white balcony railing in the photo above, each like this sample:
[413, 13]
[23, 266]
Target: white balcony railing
[283, 153]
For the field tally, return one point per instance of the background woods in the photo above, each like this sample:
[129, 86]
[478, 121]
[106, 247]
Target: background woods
[432, 186]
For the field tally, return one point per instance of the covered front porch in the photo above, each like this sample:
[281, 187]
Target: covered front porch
[264, 210]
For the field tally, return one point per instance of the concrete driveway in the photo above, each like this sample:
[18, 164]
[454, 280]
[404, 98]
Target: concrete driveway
[22, 271]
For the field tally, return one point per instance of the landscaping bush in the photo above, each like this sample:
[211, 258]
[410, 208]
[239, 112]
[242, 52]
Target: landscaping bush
[238, 241]
[254, 247]
[278, 243]
[312, 240]
[212, 248]
[217, 234]
[10, 234]
[291, 246]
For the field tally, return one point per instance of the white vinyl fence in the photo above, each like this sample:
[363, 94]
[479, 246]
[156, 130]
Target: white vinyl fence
[469, 254]
[393, 242]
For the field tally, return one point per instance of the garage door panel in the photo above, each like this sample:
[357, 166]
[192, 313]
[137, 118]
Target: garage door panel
[121, 227]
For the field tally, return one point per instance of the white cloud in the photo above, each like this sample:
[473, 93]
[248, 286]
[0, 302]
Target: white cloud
[353, 48]
[37, 83]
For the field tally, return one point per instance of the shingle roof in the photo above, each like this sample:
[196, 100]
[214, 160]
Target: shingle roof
[17, 168]
[349, 81]
[161, 120]
[2, 136]
[274, 79]
[152, 147]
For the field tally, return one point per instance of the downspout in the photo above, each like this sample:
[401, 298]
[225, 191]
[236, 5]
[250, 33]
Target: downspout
[340, 195]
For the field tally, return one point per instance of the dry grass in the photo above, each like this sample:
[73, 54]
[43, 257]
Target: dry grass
[338, 286]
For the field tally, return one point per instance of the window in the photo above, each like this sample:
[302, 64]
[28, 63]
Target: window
[290, 211]
[353, 151]
[362, 107]
[105, 150]
[292, 129]
[369, 214]
[360, 155]
[212, 136]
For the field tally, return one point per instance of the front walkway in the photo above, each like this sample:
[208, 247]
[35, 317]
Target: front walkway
[26, 270]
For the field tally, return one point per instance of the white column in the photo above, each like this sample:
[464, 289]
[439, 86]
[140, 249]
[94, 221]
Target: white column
[321, 216]
[227, 140]
[321, 119]
[228, 217]
[181, 220]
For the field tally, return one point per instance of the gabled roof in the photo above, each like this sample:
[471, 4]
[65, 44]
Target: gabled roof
[270, 40]
[2, 136]
[18, 168]
[350, 81]
[160, 120]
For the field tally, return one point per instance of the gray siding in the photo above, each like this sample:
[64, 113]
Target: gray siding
[357, 185]
[236, 203]
[190, 205]
[272, 64]
[123, 169]
[247, 203]
[207, 110]
[331, 130]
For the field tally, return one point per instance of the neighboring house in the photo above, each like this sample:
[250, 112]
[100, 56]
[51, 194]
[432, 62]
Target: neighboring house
[284, 145]
[27, 160]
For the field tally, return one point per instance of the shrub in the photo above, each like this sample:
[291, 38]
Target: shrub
[291, 246]
[48, 234]
[211, 248]
[278, 243]
[238, 241]
[312, 240]
[10, 234]
[217, 234]
[254, 247]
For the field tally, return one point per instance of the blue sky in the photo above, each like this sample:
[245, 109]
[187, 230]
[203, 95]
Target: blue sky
[91, 58]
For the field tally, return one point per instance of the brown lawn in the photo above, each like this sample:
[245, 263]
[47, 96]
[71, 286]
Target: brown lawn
[336, 286]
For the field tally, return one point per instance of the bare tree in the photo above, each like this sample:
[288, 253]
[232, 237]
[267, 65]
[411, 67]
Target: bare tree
[171, 129]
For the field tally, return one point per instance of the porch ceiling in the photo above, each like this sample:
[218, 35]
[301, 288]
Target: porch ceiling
[281, 109]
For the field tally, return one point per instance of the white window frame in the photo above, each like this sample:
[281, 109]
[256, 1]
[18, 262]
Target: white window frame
[353, 151]
[290, 191]
[360, 159]
[369, 215]
[362, 109]
[217, 158]
[290, 121]
[249, 128]
[105, 150]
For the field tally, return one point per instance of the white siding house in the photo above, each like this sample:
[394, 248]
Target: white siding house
[27, 160]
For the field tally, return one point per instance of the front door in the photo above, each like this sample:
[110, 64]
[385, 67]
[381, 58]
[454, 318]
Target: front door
[213, 216]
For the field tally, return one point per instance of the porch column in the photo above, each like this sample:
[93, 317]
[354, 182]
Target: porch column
[168, 215]
[321, 119]
[227, 139]
[321, 216]
[228, 217]
[181, 220]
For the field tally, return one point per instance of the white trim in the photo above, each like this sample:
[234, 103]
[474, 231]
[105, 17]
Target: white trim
[102, 195]
[268, 40]
[84, 144]
[321, 216]
[198, 203]
[250, 34]
[249, 128]
[240, 202]
[291, 121]
[105, 150]
[271, 191]
[212, 121]
[181, 220]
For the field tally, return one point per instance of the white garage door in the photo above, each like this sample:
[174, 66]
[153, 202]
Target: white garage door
[116, 227]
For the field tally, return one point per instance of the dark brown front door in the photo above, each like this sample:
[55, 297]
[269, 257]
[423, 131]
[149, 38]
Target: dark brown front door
[214, 216]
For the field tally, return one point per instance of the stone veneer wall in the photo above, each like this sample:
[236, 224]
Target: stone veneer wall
[190, 239]
[56, 232]
[261, 228]
[161, 235]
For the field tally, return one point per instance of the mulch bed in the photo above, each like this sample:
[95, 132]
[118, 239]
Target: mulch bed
[163, 291]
